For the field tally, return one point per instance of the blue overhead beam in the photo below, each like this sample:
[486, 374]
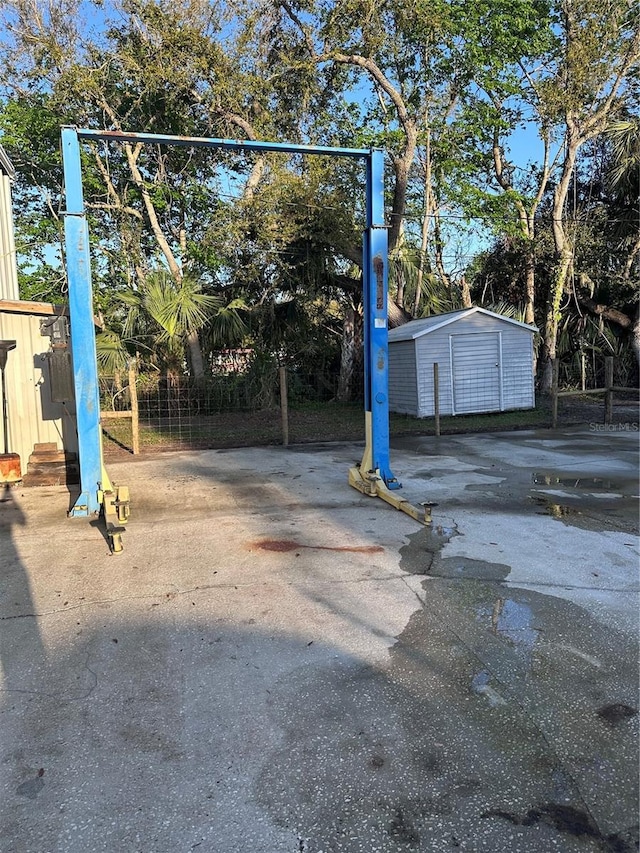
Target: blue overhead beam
[228, 144]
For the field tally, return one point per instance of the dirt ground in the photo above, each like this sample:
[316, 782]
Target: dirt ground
[331, 423]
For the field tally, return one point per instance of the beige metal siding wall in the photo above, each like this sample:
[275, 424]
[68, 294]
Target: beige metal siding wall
[8, 268]
[33, 418]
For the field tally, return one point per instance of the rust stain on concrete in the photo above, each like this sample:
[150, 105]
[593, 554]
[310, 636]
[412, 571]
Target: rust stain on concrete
[285, 545]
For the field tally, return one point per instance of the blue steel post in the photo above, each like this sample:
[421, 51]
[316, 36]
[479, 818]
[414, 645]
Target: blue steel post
[375, 281]
[83, 339]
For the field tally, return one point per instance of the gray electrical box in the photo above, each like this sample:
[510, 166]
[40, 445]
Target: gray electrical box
[61, 376]
[59, 359]
[56, 328]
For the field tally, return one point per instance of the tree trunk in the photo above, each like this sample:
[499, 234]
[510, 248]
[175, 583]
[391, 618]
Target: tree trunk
[552, 319]
[548, 355]
[429, 207]
[439, 258]
[347, 357]
[465, 292]
[399, 280]
[417, 299]
[564, 255]
[530, 295]
[401, 166]
[195, 355]
[529, 286]
[526, 217]
[635, 337]
[633, 254]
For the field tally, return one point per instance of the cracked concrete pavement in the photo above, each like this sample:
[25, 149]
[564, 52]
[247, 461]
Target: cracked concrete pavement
[278, 664]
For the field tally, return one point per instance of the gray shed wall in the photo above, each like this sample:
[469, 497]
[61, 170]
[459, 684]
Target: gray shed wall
[517, 369]
[431, 349]
[8, 267]
[403, 389]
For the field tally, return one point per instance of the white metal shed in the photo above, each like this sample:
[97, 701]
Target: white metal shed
[485, 364]
[8, 267]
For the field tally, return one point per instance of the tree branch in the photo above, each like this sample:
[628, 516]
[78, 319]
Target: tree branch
[111, 191]
[606, 311]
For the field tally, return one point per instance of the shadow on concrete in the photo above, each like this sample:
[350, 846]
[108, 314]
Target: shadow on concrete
[214, 715]
[22, 652]
[163, 731]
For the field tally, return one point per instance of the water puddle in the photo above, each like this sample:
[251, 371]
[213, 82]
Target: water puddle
[572, 481]
[469, 569]
[586, 501]
[555, 510]
[419, 555]
[439, 534]
[511, 620]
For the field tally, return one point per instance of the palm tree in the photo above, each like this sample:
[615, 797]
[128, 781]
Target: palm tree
[623, 176]
[420, 291]
[164, 319]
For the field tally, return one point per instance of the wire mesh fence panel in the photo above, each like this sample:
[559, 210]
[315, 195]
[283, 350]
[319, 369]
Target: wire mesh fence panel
[517, 386]
[114, 393]
[625, 372]
[476, 389]
[586, 370]
[178, 412]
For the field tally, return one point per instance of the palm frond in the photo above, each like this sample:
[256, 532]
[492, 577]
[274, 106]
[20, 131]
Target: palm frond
[111, 352]
[507, 309]
[227, 326]
[625, 140]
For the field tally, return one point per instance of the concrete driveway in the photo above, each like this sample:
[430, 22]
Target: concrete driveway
[277, 664]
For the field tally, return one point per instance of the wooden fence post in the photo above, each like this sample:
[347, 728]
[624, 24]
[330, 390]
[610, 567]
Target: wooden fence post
[608, 394]
[555, 373]
[284, 405]
[133, 395]
[436, 396]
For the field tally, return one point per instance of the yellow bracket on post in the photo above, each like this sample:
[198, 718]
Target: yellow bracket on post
[369, 482]
[115, 508]
[373, 485]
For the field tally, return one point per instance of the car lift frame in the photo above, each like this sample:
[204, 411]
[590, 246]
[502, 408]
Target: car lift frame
[373, 476]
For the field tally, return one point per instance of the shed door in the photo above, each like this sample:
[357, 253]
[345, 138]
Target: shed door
[476, 372]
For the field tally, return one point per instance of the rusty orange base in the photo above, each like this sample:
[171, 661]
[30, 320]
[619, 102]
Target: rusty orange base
[10, 471]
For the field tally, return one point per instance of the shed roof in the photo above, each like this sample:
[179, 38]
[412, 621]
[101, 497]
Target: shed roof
[416, 328]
